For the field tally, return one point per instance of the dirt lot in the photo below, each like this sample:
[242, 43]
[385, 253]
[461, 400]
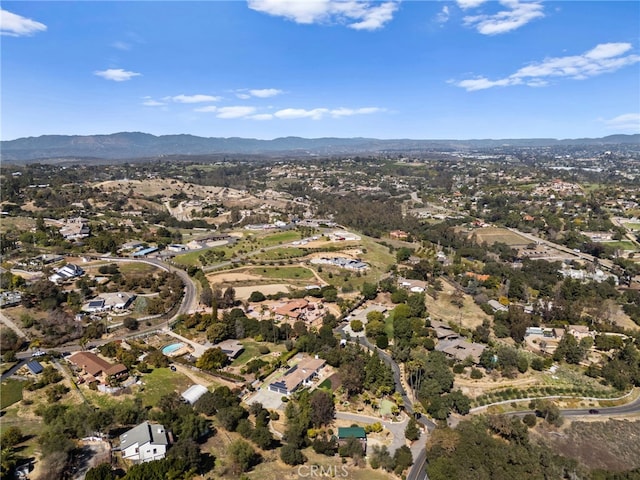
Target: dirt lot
[612, 445]
[492, 235]
[470, 315]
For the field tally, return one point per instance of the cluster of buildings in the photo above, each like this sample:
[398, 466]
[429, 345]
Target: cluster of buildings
[342, 262]
[67, 272]
[109, 301]
[75, 228]
[300, 309]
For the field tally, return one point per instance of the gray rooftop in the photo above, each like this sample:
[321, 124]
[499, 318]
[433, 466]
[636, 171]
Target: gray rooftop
[144, 433]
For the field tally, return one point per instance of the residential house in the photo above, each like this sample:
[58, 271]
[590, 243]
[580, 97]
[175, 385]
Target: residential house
[75, 228]
[144, 443]
[398, 234]
[346, 433]
[232, 348]
[94, 368]
[65, 273]
[461, 349]
[301, 374]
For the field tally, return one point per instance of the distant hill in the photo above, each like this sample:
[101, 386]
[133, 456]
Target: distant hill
[131, 145]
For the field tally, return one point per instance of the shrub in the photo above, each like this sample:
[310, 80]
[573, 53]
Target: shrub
[476, 373]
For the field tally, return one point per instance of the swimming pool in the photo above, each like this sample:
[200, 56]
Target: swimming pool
[172, 348]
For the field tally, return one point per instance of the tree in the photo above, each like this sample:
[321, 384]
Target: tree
[402, 459]
[242, 455]
[356, 325]
[205, 404]
[369, 291]
[130, 323]
[101, 472]
[382, 341]
[257, 297]
[212, 359]
[291, 455]
[352, 378]
[11, 437]
[322, 408]
[412, 432]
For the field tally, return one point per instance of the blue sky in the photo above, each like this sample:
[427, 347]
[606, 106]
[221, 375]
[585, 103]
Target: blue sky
[272, 68]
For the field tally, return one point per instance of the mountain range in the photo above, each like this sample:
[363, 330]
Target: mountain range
[132, 145]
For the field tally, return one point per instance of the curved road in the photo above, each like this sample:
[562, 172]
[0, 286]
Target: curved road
[188, 304]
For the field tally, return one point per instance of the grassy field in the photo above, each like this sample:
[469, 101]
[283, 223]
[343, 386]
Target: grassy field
[10, 392]
[622, 245]
[280, 254]
[251, 351]
[160, 382]
[283, 273]
[632, 226]
[278, 238]
[502, 235]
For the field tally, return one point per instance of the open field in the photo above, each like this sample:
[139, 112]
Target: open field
[491, 235]
[283, 273]
[160, 382]
[243, 293]
[10, 392]
[469, 316]
[621, 244]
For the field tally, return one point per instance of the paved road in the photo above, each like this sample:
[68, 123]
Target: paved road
[189, 304]
[418, 469]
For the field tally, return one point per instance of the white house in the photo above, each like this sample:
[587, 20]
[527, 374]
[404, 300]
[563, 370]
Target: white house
[144, 443]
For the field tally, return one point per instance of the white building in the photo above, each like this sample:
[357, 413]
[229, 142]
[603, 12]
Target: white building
[144, 443]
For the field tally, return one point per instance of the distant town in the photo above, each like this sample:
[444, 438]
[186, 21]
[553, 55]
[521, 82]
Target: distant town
[407, 313]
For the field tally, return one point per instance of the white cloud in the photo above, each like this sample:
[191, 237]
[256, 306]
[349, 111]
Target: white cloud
[262, 116]
[208, 109]
[265, 92]
[121, 45]
[517, 14]
[603, 58]
[319, 113]
[193, 98]
[292, 113]
[14, 25]
[356, 14]
[243, 96]
[465, 4]
[150, 102]
[235, 112]
[443, 16]
[628, 122]
[348, 112]
[116, 74]
[229, 112]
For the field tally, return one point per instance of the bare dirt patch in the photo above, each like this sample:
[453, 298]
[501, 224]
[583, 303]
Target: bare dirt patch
[612, 445]
[244, 293]
[469, 315]
[232, 277]
[491, 235]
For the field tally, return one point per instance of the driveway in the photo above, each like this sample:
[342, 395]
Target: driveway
[396, 428]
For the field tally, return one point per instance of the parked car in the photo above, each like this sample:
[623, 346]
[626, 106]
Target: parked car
[593, 411]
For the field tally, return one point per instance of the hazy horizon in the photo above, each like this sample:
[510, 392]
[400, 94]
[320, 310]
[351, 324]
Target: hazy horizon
[266, 69]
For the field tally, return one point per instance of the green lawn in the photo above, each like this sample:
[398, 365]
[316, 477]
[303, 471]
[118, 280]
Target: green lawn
[280, 254]
[388, 325]
[622, 245]
[10, 392]
[280, 237]
[283, 273]
[160, 382]
[251, 351]
[632, 226]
